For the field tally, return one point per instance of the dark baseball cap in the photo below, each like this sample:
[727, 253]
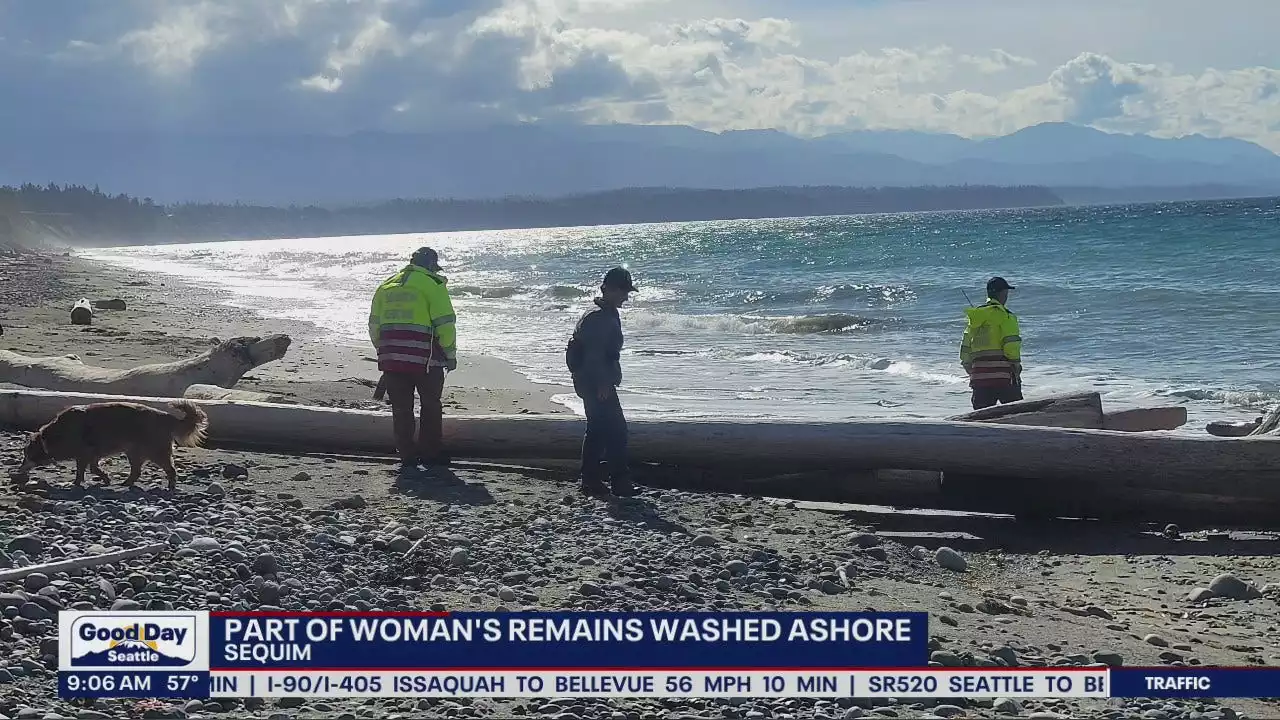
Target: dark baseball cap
[619, 278]
[425, 257]
[996, 284]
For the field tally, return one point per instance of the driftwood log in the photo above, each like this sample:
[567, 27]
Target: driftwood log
[1013, 468]
[1268, 424]
[1079, 410]
[59, 566]
[222, 365]
[213, 392]
[1224, 428]
[82, 312]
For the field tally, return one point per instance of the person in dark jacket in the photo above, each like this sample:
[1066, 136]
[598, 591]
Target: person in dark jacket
[593, 357]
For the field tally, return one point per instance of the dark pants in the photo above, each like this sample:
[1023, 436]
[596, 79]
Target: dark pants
[400, 391]
[606, 438]
[985, 397]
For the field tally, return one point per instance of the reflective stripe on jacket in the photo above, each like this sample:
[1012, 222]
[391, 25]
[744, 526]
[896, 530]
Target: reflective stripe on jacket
[411, 322]
[991, 350]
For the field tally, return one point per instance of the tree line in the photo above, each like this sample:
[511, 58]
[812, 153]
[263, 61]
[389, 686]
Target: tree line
[90, 216]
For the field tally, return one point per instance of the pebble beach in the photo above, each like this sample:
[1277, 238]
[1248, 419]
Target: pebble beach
[274, 531]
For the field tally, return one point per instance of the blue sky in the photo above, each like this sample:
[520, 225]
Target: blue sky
[971, 67]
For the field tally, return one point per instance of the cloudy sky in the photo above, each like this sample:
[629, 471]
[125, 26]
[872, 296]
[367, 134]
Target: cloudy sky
[972, 67]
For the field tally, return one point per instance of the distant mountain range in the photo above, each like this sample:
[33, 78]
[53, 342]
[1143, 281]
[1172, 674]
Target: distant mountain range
[556, 160]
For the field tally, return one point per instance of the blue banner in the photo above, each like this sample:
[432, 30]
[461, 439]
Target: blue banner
[1195, 682]
[529, 640]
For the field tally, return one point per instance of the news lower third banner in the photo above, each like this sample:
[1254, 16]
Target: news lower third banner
[201, 654]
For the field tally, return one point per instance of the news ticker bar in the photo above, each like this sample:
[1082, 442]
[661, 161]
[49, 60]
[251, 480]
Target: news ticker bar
[933, 683]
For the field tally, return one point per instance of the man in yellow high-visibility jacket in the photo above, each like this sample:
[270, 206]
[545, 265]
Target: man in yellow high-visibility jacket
[412, 325]
[991, 350]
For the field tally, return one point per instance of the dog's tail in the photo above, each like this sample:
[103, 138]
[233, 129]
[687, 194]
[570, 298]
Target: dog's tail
[192, 427]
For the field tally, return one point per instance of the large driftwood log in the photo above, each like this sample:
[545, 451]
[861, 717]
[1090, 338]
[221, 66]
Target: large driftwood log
[1079, 410]
[987, 466]
[221, 365]
[1176, 463]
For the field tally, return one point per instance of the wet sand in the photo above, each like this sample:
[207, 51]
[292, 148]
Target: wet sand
[166, 319]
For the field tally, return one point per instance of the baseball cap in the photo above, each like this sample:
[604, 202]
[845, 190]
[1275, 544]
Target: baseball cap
[996, 284]
[619, 278]
[425, 257]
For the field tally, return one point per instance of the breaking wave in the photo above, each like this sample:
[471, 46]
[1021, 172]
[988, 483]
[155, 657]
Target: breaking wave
[836, 323]
[870, 294]
[501, 292]
[1259, 400]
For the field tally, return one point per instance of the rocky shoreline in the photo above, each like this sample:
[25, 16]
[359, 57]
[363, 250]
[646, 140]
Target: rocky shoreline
[260, 531]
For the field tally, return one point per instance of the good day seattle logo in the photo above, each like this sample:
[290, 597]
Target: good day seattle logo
[133, 641]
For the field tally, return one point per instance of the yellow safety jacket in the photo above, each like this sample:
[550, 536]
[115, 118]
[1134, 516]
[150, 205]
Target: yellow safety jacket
[991, 350]
[412, 323]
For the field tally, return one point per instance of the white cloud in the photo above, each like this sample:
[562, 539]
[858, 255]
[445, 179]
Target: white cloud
[347, 65]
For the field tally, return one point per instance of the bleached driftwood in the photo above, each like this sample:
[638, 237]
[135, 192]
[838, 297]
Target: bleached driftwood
[213, 392]
[1079, 410]
[222, 365]
[1269, 424]
[1160, 460]
[991, 467]
[59, 566]
[82, 312]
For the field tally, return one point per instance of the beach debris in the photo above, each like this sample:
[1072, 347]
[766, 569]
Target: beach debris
[213, 392]
[112, 304]
[82, 312]
[61, 566]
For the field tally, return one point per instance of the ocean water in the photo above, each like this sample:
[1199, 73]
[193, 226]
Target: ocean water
[834, 317]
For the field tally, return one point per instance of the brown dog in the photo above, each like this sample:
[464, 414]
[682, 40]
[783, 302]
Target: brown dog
[89, 433]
